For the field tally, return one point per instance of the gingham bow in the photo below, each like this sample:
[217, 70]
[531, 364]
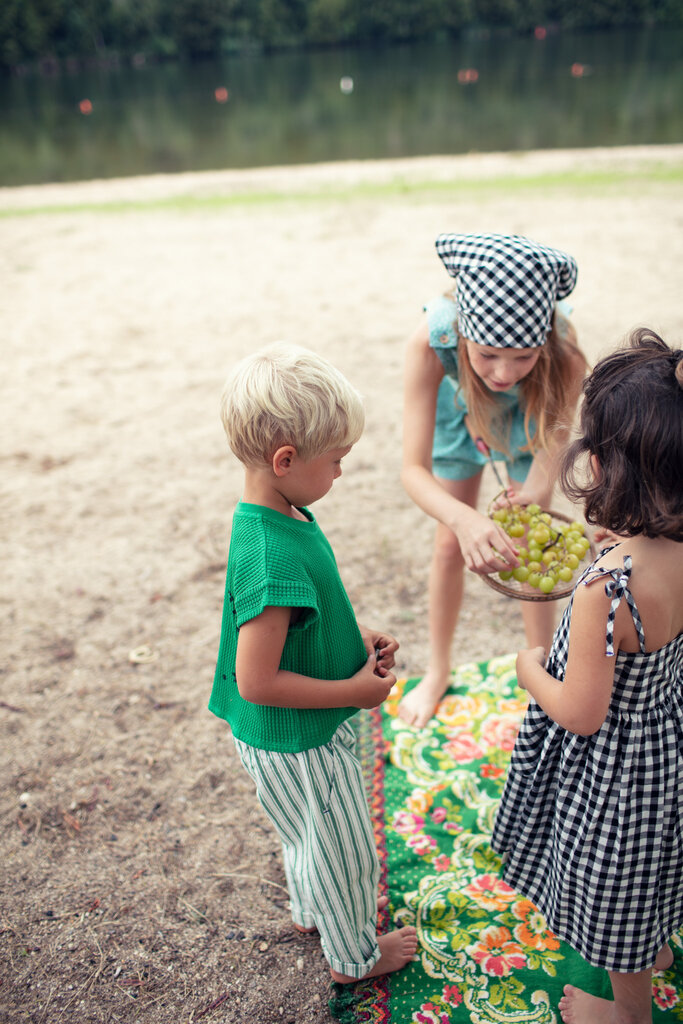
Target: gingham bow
[617, 586]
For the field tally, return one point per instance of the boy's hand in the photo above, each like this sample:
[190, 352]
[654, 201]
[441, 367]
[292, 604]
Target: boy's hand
[372, 684]
[383, 645]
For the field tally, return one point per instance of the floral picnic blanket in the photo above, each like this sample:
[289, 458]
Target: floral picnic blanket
[485, 954]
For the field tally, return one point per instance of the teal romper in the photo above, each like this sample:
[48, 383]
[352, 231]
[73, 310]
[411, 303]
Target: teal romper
[454, 454]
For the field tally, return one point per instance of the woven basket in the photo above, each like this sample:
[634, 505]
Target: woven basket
[524, 591]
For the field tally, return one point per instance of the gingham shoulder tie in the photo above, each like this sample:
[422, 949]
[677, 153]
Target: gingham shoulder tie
[616, 587]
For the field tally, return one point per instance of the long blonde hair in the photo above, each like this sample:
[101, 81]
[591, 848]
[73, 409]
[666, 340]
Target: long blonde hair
[545, 393]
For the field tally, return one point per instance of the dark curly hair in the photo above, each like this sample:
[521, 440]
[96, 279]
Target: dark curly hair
[632, 422]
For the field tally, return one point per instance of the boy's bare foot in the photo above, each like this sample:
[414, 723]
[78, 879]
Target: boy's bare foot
[664, 958]
[381, 904]
[397, 949]
[579, 1007]
[418, 706]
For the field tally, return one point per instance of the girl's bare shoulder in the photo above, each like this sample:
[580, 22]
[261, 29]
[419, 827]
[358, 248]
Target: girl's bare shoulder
[656, 585]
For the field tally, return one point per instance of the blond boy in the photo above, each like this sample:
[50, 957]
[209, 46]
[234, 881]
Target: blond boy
[293, 664]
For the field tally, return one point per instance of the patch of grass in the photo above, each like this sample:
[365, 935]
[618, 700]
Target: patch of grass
[594, 181]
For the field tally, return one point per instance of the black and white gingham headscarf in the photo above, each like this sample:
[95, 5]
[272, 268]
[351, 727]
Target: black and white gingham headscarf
[507, 287]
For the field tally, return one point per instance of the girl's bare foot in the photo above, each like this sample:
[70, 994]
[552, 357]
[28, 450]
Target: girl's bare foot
[632, 1002]
[381, 904]
[579, 1007]
[397, 948]
[664, 958]
[418, 706]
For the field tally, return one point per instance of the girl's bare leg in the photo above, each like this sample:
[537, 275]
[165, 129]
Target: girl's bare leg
[539, 623]
[632, 1002]
[446, 585]
[540, 617]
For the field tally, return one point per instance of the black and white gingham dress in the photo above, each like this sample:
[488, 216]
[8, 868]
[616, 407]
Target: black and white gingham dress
[591, 827]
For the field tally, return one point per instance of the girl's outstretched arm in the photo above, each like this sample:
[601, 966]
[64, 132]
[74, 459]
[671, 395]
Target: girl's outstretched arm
[485, 546]
[580, 702]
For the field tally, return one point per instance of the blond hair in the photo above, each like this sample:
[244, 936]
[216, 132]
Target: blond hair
[545, 393]
[288, 395]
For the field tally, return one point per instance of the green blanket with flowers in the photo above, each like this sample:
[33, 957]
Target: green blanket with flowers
[485, 954]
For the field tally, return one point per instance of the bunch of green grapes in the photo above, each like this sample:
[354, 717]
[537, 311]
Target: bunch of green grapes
[550, 553]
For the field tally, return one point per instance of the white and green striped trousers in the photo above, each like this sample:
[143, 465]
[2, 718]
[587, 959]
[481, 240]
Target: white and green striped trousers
[316, 800]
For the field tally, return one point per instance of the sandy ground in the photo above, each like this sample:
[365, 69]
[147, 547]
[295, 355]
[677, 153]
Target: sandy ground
[140, 881]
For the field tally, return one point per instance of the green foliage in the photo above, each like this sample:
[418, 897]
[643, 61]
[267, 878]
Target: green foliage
[277, 23]
[40, 30]
[198, 26]
[609, 13]
[331, 21]
[29, 29]
[139, 26]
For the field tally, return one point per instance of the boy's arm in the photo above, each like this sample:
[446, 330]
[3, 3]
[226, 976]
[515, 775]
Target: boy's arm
[580, 702]
[260, 680]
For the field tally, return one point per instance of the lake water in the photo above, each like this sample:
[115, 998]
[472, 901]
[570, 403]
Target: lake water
[483, 93]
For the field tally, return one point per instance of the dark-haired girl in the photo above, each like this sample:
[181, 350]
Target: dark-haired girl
[590, 824]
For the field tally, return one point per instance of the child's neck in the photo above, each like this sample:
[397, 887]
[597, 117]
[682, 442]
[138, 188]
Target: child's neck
[654, 554]
[662, 547]
[261, 488]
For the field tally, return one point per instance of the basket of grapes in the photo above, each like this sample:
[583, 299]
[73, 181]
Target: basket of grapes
[551, 548]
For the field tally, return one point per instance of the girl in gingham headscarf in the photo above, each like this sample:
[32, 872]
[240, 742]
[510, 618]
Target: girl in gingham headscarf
[591, 817]
[494, 362]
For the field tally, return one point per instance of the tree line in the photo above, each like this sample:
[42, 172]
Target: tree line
[57, 30]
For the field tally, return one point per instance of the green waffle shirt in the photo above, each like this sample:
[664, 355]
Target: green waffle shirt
[276, 560]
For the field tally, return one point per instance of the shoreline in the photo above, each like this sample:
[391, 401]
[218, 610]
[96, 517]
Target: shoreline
[296, 179]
